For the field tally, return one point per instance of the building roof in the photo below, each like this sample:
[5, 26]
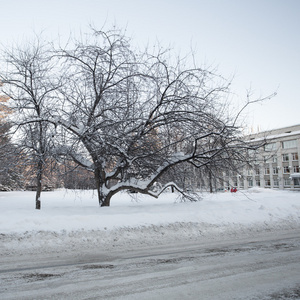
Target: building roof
[273, 134]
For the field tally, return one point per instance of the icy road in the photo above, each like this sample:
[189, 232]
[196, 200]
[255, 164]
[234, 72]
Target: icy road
[264, 267]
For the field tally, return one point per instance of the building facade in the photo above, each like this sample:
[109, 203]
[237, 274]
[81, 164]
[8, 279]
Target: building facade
[276, 165]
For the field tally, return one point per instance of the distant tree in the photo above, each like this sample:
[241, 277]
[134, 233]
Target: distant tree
[10, 161]
[10, 156]
[76, 177]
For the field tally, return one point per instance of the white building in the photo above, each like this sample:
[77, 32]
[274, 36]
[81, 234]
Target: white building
[276, 165]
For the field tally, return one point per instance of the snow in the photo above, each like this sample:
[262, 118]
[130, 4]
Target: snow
[147, 248]
[70, 220]
[275, 136]
[295, 175]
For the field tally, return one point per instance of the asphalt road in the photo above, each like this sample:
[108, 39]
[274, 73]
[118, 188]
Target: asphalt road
[265, 267]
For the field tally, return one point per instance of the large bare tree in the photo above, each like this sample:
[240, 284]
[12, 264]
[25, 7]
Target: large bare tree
[137, 115]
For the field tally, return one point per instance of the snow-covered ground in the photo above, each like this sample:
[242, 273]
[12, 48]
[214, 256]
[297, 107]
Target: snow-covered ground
[243, 245]
[71, 220]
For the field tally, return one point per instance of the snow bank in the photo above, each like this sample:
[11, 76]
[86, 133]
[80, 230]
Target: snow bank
[70, 220]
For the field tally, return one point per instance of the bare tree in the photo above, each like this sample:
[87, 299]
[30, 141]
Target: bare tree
[29, 84]
[137, 115]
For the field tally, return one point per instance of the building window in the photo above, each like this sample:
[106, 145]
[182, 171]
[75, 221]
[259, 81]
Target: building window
[295, 156]
[267, 171]
[285, 157]
[287, 182]
[286, 170]
[289, 144]
[257, 171]
[250, 182]
[276, 183]
[267, 182]
[296, 169]
[275, 170]
[257, 182]
[270, 147]
[297, 182]
[274, 159]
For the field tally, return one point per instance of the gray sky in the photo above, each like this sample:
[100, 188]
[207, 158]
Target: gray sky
[256, 41]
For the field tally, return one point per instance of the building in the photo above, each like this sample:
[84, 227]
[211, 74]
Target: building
[276, 165]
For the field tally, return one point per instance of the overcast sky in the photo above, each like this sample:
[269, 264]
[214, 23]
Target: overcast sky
[256, 41]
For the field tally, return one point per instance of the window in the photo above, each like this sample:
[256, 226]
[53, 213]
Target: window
[285, 157]
[295, 156]
[258, 182]
[297, 182]
[289, 144]
[286, 170]
[296, 169]
[257, 171]
[267, 171]
[250, 182]
[287, 182]
[267, 182]
[275, 170]
[274, 159]
[276, 183]
[270, 147]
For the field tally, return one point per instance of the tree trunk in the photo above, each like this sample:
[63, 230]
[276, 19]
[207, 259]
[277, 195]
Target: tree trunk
[98, 186]
[106, 201]
[40, 165]
[210, 182]
[38, 186]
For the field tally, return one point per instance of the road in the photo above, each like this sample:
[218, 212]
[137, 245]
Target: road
[265, 267]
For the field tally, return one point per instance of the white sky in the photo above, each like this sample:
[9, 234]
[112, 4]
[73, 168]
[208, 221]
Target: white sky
[257, 41]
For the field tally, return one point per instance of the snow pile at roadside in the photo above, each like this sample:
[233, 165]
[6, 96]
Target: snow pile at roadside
[71, 220]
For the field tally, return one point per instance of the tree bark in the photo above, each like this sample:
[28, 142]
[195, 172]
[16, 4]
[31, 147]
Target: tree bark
[98, 186]
[210, 181]
[106, 201]
[39, 186]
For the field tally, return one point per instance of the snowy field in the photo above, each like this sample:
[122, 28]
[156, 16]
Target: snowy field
[71, 220]
[242, 245]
